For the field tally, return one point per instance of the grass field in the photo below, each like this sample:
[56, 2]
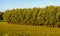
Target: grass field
[25, 30]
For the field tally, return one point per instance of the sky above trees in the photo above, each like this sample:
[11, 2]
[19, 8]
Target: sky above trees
[11, 4]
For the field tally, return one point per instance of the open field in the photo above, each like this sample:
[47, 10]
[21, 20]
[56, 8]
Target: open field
[25, 30]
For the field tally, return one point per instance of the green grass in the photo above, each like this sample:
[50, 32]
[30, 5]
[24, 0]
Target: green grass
[25, 30]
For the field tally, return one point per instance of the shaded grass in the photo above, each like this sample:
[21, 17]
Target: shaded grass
[25, 30]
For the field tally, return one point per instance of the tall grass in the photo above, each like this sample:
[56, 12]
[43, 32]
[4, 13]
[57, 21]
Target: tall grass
[25, 30]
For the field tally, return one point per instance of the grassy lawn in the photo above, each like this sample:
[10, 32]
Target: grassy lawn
[25, 30]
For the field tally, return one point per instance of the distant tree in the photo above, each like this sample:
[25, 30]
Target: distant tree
[1, 15]
[49, 15]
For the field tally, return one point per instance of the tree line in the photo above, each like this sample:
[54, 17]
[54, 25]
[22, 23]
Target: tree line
[49, 15]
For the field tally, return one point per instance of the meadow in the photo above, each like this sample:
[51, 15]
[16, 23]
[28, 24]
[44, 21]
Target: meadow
[30, 22]
[27, 30]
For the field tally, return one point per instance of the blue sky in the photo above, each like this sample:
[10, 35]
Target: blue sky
[11, 4]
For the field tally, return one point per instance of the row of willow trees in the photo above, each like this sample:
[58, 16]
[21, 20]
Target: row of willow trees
[49, 15]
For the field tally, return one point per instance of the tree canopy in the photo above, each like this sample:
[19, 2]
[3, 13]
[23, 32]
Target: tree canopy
[50, 15]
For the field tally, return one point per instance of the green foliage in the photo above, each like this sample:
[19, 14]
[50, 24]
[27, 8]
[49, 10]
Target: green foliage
[34, 16]
[1, 17]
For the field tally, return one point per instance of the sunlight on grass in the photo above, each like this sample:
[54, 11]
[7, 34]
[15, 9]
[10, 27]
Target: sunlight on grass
[25, 30]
